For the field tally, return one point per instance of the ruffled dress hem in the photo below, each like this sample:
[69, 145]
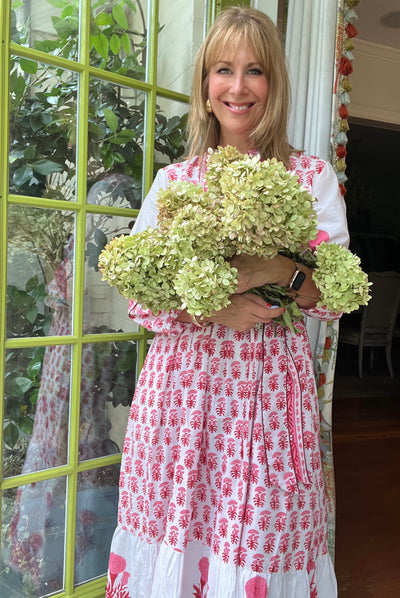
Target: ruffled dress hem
[154, 570]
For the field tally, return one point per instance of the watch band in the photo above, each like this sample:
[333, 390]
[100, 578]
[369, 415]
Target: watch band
[297, 279]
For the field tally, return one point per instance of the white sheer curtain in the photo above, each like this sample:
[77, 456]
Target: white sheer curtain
[310, 48]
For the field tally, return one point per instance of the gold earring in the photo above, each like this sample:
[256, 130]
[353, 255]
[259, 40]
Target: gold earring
[208, 106]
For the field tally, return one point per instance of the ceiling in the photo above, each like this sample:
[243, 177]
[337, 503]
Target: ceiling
[368, 23]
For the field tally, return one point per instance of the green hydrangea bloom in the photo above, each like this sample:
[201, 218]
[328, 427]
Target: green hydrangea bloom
[141, 267]
[205, 285]
[340, 279]
[251, 206]
[178, 195]
[265, 209]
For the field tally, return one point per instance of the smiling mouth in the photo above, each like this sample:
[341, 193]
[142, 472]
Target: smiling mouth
[238, 107]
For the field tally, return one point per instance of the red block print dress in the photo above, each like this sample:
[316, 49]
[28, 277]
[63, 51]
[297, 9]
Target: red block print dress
[221, 487]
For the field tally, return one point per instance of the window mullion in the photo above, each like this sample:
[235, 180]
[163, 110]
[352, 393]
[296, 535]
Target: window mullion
[152, 95]
[4, 102]
[79, 279]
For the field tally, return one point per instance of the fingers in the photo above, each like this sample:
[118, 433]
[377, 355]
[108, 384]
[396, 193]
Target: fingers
[262, 311]
[245, 311]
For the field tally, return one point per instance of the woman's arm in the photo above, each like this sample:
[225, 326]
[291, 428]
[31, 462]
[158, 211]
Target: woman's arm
[244, 312]
[256, 271]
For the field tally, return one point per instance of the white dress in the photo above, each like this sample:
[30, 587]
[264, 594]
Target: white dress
[221, 487]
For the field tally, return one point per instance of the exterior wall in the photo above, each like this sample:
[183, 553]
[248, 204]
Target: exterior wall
[376, 83]
[178, 43]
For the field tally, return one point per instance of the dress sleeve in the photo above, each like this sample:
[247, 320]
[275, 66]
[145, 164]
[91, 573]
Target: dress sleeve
[330, 206]
[164, 322]
[149, 212]
[332, 222]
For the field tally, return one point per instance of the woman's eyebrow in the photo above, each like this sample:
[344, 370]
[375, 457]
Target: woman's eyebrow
[228, 63]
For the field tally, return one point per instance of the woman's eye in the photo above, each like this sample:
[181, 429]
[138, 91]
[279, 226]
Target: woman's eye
[224, 71]
[255, 72]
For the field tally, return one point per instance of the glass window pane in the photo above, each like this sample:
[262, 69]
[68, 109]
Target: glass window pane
[42, 118]
[119, 37]
[51, 27]
[180, 35]
[170, 132]
[33, 533]
[108, 382]
[96, 519]
[36, 408]
[116, 136]
[39, 272]
[105, 310]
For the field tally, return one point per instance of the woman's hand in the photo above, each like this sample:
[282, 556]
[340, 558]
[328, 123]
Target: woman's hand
[245, 311]
[256, 271]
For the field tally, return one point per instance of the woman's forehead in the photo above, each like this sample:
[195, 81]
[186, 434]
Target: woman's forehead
[228, 51]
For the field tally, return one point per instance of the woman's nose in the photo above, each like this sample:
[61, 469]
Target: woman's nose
[238, 84]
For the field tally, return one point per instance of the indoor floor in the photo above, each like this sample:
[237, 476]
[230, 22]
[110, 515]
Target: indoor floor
[366, 439]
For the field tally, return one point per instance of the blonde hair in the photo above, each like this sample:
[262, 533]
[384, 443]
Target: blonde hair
[233, 27]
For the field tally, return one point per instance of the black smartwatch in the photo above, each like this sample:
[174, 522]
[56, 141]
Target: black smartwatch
[297, 279]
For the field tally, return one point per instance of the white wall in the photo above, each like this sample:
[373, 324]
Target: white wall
[178, 42]
[375, 82]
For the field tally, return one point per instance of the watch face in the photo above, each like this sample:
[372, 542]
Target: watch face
[298, 280]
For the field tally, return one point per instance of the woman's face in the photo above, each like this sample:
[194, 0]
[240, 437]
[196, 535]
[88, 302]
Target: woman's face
[238, 92]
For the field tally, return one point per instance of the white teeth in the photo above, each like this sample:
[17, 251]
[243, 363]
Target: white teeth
[239, 107]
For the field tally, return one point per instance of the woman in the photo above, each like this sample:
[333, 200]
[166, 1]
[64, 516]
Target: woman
[222, 492]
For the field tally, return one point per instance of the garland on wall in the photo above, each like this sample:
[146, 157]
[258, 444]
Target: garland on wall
[346, 32]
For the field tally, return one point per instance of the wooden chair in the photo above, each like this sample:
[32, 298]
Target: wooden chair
[376, 324]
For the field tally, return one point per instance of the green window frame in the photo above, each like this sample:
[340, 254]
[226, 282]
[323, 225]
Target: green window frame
[82, 72]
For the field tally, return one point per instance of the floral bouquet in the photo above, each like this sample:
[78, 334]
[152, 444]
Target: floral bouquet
[251, 206]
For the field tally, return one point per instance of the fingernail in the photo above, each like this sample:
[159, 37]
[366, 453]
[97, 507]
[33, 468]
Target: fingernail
[268, 305]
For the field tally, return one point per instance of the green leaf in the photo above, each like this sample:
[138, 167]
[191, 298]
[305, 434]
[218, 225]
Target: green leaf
[36, 122]
[46, 167]
[11, 435]
[122, 137]
[101, 45]
[34, 368]
[111, 119]
[68, 11]
[131, 5]
[58, 3]
[31, 314]
[17, 85]
[32, 283]
[33, 397]
[13, 388]
[115, 44]
[92, 255]
[98, 130]
[24, 383]
[26, 425]
[119, 16]
[127, 363]
[126, 42]
[66, 27]
[119, 158]
[104, 19]
[28, 66]
[30, 153]
[100, 237]
[22, 175]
